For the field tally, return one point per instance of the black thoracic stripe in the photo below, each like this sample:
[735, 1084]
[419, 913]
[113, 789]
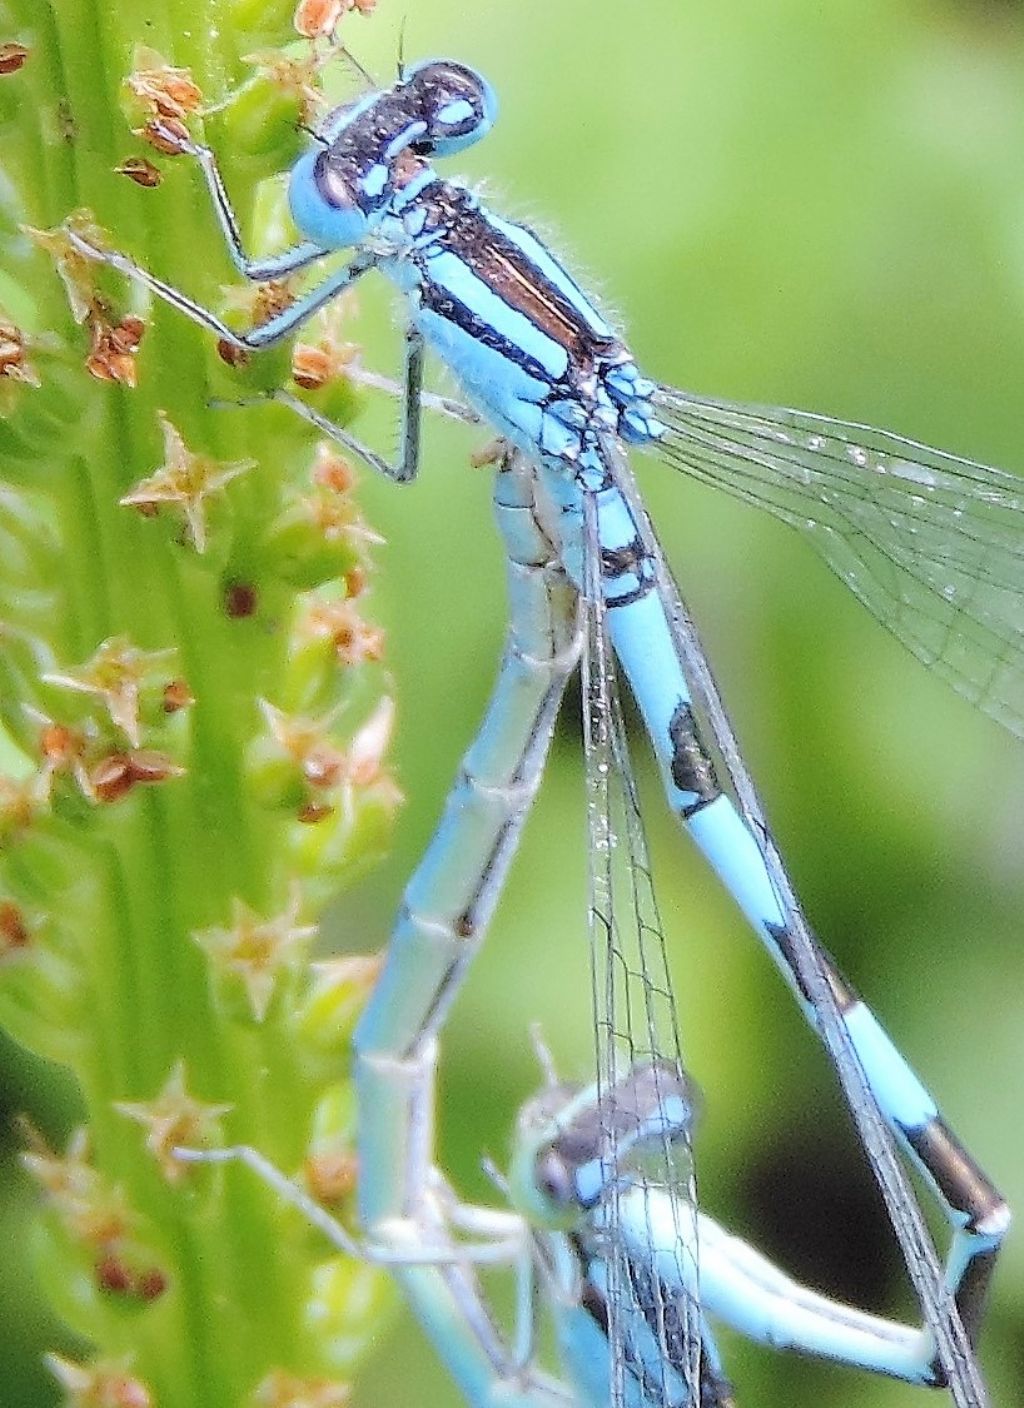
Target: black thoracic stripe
[361, 145]
[692, 768]
[660, 1309]
[510, 272]
[959, 1180]
[592, 1299]
[715, 1391]
[595, 1303]
[453, 310]
[842, 991]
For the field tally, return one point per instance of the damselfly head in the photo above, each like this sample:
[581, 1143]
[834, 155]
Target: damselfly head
[455, 104]
[371, 150]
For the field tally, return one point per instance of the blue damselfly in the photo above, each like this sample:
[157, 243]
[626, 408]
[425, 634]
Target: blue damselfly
[932, 543]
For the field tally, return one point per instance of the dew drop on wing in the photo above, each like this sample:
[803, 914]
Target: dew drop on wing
[915, 473]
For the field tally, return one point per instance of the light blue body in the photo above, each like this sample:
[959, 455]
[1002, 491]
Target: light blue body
[568, 442]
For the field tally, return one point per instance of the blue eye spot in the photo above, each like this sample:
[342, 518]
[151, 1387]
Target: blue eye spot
[459, 110]
[457, 104]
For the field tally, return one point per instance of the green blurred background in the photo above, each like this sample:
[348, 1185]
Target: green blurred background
[814, 204]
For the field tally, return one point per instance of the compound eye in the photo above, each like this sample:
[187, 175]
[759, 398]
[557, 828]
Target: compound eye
[554, 1181]
[333, 184]
[323, 203]
[457, 105]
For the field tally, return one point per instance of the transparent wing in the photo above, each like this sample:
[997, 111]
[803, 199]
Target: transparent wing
[937, 1302]
[654, 1330]
[932, 544]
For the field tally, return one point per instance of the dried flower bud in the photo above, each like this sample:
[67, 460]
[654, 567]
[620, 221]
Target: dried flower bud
[161, 89]
[318, 19]
[332, 471]
[177, 696]
[331, 1176]
[14, 933]
[231, 354]
[12, 57]
[116, 775]
[114, 345]
[140, 170]
[241, 599]
[167, 135]
[150, 1284]
[14, 363]
[112, 1275]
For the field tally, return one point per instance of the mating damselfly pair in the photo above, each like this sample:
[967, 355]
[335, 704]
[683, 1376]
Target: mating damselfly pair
[606, 1223]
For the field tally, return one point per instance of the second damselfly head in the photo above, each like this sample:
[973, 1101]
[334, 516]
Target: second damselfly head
[572, 1141]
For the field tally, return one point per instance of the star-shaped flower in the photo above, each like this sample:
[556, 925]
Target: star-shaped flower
[97, 1216]
[174, 1119]
[69, 1179]
[76, 272]
[256, 304]
[117, 774]
[257, 950]
[187, 480]
[354, 639]
[308, 743]
[114, 338]
[338, 518]
[116, 674]
[103, 1384]
[370, 744]
[62, 750]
